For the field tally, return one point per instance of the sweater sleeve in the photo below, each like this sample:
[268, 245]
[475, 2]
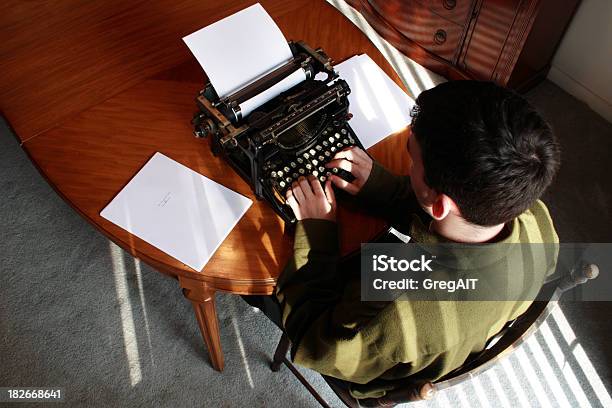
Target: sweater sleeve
[389, 195]
[323, 314]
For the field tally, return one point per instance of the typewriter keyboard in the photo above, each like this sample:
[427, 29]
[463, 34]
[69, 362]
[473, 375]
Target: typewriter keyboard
[283, 171]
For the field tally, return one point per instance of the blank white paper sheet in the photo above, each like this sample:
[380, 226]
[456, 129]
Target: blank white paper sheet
[379, 106]
[177, 210]
[239, 49]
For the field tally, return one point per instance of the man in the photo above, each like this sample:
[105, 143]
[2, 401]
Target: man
[481, 159]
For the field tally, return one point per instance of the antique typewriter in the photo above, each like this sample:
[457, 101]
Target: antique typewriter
[294, 134]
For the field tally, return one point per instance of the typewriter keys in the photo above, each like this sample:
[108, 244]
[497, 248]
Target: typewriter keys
[285, 169]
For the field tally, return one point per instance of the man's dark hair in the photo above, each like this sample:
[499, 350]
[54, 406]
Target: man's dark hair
[485, 147]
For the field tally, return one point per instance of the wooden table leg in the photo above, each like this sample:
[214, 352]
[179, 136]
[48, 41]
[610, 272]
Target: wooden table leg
[203, 301]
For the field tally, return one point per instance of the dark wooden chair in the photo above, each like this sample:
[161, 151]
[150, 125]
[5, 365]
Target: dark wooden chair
[508, 339]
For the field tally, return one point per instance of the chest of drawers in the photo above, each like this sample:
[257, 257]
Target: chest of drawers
[510, 42]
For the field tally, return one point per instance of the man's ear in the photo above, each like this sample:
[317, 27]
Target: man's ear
[442, 206]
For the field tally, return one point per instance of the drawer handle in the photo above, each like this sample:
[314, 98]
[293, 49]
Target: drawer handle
[449, 4]
[440, 37]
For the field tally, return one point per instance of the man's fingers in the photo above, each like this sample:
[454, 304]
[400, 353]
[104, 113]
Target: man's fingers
[348, 154]
[360, 153]
[306, 188]
[329, 193]
[344, 185]
[293, 204]
[352, 153]
[289, 196]
[316, 186]
[297, 192]
[341, 163]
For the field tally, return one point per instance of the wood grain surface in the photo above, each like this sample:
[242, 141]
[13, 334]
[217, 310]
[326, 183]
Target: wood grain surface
[91, 155]
[62, 57]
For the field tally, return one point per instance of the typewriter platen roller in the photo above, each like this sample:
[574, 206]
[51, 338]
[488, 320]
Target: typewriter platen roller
[293, 134]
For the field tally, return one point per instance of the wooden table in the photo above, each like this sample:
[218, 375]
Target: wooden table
[94, 89]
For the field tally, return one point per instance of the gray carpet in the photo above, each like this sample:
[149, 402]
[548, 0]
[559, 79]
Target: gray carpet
[77, 312]
[63, 301]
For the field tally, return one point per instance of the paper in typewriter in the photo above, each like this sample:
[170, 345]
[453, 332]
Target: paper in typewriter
[177, 210]
[238, 49]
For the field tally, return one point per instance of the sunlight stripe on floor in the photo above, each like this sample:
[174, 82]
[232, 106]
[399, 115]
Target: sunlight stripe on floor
[143, 305]
[562, 364]
[463, 400]
[442, 399]
[127, 317]
[480, 392]
[499, 391]
[549, 374]
[533, 378]
[582, 359]
[514, 383]
[245, 361]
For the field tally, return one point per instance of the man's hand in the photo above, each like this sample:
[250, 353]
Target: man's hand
[355, 161]
[307, 199]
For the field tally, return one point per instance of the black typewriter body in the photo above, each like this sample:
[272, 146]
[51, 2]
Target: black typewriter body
[294, 134]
